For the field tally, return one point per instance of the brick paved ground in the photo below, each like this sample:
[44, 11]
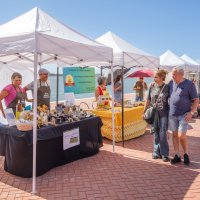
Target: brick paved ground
[129, 173]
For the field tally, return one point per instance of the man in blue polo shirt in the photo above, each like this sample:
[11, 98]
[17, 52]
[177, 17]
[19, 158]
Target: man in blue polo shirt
[183, 103]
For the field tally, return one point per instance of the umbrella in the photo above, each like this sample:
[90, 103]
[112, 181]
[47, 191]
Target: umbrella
[141, 73]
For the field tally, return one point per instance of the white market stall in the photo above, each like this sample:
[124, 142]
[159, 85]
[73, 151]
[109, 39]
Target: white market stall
[34, 39]
[195, 65]
[193, 68]
[169, 60]
[126, 56]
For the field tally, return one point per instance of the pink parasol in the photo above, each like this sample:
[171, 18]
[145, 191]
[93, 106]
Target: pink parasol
[141, 73]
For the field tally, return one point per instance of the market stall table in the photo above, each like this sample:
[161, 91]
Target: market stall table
[134, 125]
[17, 146]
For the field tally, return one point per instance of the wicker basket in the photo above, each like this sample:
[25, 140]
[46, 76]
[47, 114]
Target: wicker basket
[24, 126]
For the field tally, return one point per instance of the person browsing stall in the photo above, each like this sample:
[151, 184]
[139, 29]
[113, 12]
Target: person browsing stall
[43, 91]
[158, 97]
[140, 87]
[183, 103]
[13, 93]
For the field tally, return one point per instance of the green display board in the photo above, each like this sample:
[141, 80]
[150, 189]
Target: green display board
[79, 80]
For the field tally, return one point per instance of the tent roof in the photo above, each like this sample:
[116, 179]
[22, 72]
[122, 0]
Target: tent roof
[36, 31]
[189, 60]
[126, 54]
[169, 59]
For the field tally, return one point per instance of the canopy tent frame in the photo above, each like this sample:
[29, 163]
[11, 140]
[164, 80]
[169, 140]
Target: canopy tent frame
[13, 41]
[122, 50]
[195, 66]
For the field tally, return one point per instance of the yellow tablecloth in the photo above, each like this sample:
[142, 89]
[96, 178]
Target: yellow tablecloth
[134, 125]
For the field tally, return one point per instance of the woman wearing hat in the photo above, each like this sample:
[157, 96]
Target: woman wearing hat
[13, 93]
[43, 91]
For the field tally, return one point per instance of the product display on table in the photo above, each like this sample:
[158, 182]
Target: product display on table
[63, 113]
[103, 102]
[59, 115]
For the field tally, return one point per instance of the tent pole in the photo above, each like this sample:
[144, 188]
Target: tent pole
[34, 123]
[198, 81]
[57, 85]
[101, 70]
[113, 111]
[122, 78]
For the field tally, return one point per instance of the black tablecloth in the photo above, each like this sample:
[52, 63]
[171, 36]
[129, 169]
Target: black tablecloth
[17, 146]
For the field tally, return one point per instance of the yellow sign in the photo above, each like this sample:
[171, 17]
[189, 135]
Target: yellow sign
[69, 80]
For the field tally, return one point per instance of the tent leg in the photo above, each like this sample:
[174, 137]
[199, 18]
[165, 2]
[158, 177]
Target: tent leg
[34, 124]
[113, 114]
[57, 85]
[122, 77]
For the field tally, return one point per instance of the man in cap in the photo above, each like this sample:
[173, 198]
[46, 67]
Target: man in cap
[140, 87]
[43, 91]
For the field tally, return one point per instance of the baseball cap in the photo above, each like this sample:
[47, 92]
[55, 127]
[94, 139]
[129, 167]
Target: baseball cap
[43, 71]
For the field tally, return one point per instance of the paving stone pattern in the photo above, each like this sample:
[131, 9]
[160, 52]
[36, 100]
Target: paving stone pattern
[129, 173]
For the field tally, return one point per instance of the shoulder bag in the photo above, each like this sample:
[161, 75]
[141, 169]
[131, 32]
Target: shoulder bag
[150, 111]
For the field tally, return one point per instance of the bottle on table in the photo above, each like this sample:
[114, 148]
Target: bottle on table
[22, 101]
[19, 109]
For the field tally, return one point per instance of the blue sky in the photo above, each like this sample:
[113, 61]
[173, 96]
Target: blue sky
[151, 25]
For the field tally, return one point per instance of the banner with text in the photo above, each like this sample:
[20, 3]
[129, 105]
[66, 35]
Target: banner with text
[79, 80]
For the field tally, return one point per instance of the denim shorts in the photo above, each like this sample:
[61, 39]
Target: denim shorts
[178, 123]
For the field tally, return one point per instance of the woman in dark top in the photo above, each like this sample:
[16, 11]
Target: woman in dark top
[158, 97]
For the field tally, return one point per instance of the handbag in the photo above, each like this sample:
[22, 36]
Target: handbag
[150, 111]
[149, 115]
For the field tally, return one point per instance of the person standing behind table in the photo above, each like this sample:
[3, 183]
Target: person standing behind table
[43, 91]
[118, 89]
[158, 95]
[140, 87]
[183, 103]
[13, 93]
[101, 88]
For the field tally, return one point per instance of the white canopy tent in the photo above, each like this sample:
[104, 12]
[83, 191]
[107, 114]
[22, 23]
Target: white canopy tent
[125, 54]
[193, 65]
[168, 60]
[194, 68]
[37, 31]
[189, 59]
[35, 38]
